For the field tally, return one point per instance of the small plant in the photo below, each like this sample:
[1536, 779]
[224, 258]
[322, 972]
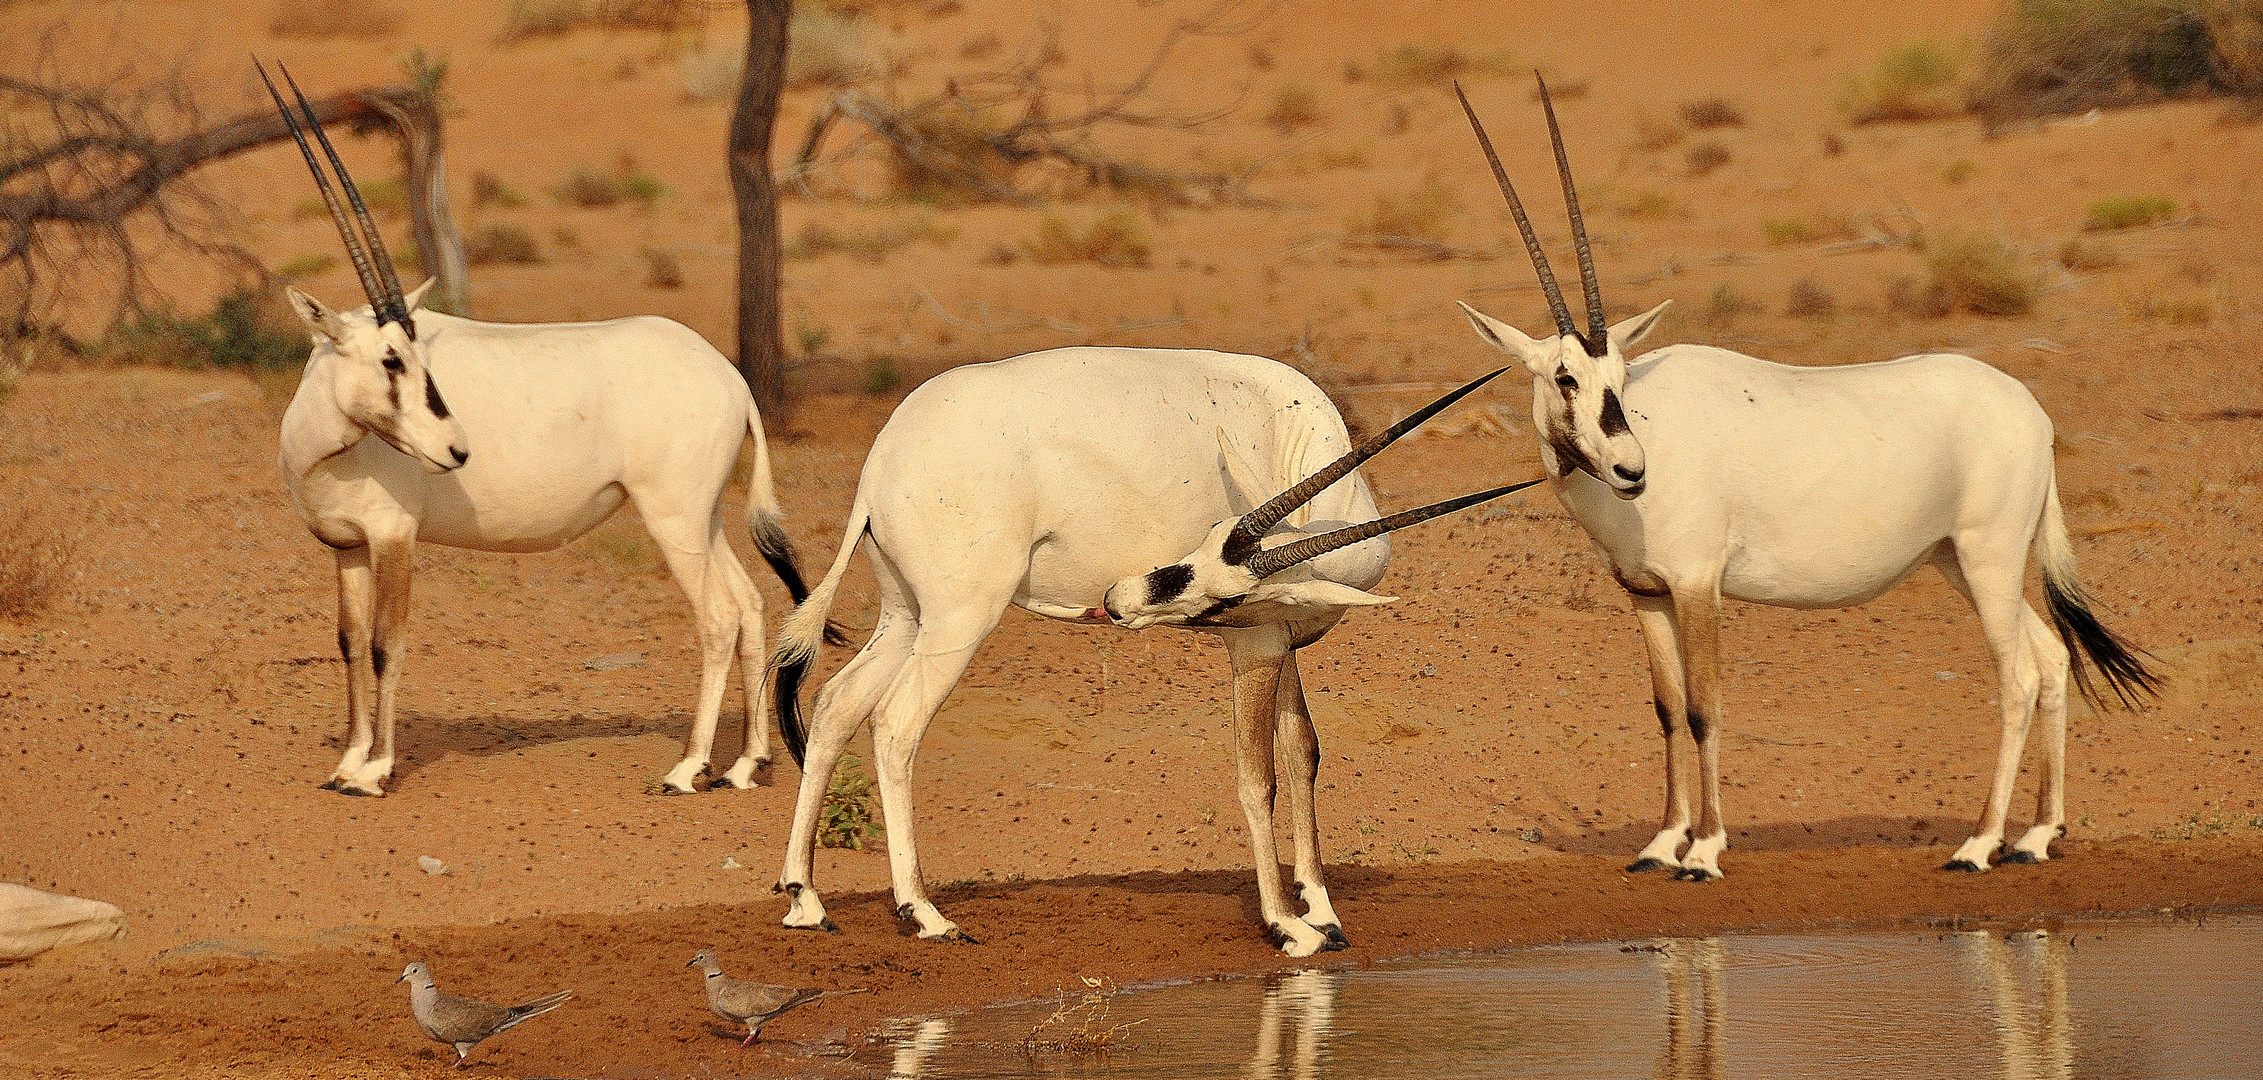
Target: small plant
[1958, 171]
[1713, 112]
[586, 187]
[544, 18]
[852, 809]
[2062, 56]
[1904, 296]
[661, 270]
[1726, 304]
[2128, 212]
[642, 187]
[2083, 257]
[1808, 300]
[812, 339]
[2187, 311]
[1981, 274]
[1425, 213]
[1424, 64]
[334, 18]
[816, 238]
[826, 47]
[489, 190]
[1113, 240]
[244, 329]
[1652, 136]
[880, 377]
[1651, 206]
[35, 562]
[1705, 157]
[1295, 105]
[1912, 83]
[500, 242]
[301, 267]
[1784, 232]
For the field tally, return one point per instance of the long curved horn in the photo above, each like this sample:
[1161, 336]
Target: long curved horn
[1597, 338]
[1268, 563]
[394, 307]
[1556, 303]
[370, 283]
[1242, 543]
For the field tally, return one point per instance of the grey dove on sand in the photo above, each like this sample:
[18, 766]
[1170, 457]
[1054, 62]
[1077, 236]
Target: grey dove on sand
[751, 1003]
[463, 1022]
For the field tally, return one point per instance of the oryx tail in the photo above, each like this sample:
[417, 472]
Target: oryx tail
[2089, 643]
[806, 629]
[763, 515]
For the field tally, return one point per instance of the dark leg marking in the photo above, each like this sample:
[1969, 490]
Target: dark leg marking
[1665, 719]
[345, 649]
[377, 659]
[1699, 725]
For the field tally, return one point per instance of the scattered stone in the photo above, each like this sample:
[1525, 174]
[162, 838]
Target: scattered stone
[731, 862]
[431, 865]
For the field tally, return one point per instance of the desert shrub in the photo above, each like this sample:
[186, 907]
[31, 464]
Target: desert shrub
[2081, 257]
[642, 187]
[245, 329]
[487, 189]
[2128, 212]
[826, 47]
[1808, 300]
[957, 162]
[543, 18]
[2182, 311]
[1705, 157]
[816, 238]
[305, 266]
[1712, 112]
[661, 270]
[1914, 82]
[1981, 274]
[1651, 206]
[1114, 239]
[1294, 106]
[1425, 213]
[1958, 171]
[1726, 304]
[1428, 64]
[880, 377]
[2043, 57]
[1786, 232]
[35, 562]
[334, 18]
[588, 187]
[500, 242]
[1653, 136]
[1930, 300]
[851, 814]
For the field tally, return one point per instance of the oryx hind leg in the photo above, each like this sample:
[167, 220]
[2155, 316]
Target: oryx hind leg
[754, 755]
[1301, 746]
[2051, 666]
[947, 640]
[688, 548]
[389, 562]
[1994, 585]
[1671, 701]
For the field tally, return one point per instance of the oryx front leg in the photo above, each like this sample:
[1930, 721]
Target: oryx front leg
[1670, 698]
[1259, 656]
[1697, 618]
[357, 615]
[374, 579]
[1293, 726]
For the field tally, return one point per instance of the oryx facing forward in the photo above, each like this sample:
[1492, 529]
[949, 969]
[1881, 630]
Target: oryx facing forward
[542, 433]
[1058, 482]
[1700, 473]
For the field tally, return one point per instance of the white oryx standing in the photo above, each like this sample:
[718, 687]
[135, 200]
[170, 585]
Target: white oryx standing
[1700, 473]
[1056, 481]
[545, 429]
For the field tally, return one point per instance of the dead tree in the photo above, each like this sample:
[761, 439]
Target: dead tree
[762, 351]
[95, 181]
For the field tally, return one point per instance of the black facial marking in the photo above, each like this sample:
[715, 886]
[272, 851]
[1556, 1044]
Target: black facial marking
[1569, 457]
[393, 389]
[377, 659]
[440, 408]
[1614, 418]
[1168, 583]
[393, 362]
[1566, 382]
[1216, 608]
[1699, 725]
[1237, 550]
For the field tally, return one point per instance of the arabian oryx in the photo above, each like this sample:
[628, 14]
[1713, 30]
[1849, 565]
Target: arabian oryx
[1056, 481]
[1700, 473]
[543, 431]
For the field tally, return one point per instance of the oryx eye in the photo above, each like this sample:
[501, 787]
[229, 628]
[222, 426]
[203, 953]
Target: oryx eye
[1565, 382]
[393, 362]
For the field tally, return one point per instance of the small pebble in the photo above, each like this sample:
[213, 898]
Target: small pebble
[431, 865]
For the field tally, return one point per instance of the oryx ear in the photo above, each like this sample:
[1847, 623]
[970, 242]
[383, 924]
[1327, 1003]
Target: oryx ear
[1317, 595]
[414, 301]
[1248, 492]
[319, 319]
[1510, 340]
[1629, 331]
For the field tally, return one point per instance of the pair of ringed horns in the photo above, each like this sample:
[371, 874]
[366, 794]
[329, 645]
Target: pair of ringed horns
[1596, 340]
[372, 265]
[1242, 544]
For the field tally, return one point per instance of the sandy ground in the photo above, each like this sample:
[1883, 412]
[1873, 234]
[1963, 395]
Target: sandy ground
[1491, 759]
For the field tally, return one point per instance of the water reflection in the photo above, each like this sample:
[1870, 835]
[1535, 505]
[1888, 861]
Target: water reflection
[1693, 1020]
[2147, 1001]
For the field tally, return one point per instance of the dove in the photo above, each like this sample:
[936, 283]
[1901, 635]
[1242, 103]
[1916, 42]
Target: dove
[463, 1022]
[751, 1003]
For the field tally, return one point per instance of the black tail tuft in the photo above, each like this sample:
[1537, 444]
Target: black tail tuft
[786, 677]
[778, 551]
[2119, 662]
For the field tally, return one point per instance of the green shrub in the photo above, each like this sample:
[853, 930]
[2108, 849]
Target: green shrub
[1981, 274]
[240, 331]
[881, 377]
[852, 809]
[2128, 212]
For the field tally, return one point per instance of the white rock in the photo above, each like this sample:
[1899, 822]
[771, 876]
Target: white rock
[431, 865]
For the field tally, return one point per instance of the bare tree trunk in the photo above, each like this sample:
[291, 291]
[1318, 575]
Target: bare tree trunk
[762, 351]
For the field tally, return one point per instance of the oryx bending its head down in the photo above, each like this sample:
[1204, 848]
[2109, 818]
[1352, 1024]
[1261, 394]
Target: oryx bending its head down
[514, 438]
[1056, 481]
[1700, 473]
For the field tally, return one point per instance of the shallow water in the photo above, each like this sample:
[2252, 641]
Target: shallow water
[2119, 1000]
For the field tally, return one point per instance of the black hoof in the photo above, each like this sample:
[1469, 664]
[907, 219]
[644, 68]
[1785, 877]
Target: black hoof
[2016, 856]
[1645, 865]
[671, 789]
[1336, 943]
[961, 937]
[1694, 874]
[722, 784]
[1336, 938]
[825, 924]
[332, 784]
[1967, 867]
[357, 792]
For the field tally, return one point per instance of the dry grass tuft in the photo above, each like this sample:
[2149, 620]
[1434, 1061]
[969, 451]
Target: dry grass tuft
[661, 270]
[587, 187]
[1429, 64]
[35, 562]
[958, 161]
[825, 48]
[334, 19]
[1653, 136]
[1726, 304]
[1114, 240]
[1295, 105]
[487, 189]
[501, 243]
[710, 69]
[816, 239]
[1904, 296]
[2082, 257]
[1426, 213]
[2128, 212]
[1913, 83]
[1652, 206]
[1712, 112]
[1705, 157]
[1809, 300]
[2180, 311]
[1981, 274]
[2045, 57]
